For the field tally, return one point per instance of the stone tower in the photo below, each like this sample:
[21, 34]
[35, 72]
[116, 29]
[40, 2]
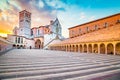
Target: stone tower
[25, 24]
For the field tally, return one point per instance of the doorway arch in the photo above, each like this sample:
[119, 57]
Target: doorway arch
[38, 44]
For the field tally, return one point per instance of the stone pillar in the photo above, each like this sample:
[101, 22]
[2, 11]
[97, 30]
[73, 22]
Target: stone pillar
[105, 49]
[75, 48]
[114, 49]
[83, 48]
[78, 48]
[98, 48]
[92, 48]
[87, 49]
[66, 48]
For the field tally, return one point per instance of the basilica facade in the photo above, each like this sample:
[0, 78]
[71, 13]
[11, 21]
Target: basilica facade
[37, 37]
[99, 36]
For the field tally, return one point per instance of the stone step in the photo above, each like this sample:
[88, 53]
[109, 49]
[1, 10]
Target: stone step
[41, 65]
[50, 67]
[97, 75]
[43, 74]
[47, 67]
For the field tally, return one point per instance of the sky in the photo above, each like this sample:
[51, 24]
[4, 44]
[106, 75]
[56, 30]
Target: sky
[69, 12]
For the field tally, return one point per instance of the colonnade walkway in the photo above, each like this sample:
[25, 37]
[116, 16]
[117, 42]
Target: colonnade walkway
[34, 64]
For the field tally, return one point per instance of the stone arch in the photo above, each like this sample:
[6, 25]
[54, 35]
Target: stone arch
[73, 48]
[90, 48]
[70, 48]
[80, 48]
[67, 48]
[95, 49]
[102, 48]
[64, 47]
[118, 48]
[85, 48]
[76, 48]
[18, 46]
[14, 46]
[21, 46]
[110, 48]
[38, 44]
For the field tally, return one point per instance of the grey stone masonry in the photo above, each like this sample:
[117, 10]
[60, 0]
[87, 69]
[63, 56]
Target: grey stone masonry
[36, 64]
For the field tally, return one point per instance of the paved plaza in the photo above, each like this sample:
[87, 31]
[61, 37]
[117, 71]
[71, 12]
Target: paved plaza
[34, 64]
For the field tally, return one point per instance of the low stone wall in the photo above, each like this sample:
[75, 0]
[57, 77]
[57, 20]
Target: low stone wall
[5, 45]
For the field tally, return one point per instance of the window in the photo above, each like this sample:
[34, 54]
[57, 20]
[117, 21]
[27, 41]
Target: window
[118, 21]
[21, 20]
[38, 31]
[21, 40]
[105, 24]
[87, 29]
[31, 32]
[72, 32]
[79, 30]
[16, 40]
[96, 27]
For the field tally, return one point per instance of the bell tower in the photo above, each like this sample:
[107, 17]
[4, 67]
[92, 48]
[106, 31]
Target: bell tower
[25, 23]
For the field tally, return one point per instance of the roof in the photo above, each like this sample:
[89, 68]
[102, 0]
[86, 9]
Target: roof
[105, 34]
[25, 11]
[95, 20]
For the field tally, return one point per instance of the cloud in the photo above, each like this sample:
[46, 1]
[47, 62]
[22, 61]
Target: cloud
[82, 15]
[0, 11]
[41, 4]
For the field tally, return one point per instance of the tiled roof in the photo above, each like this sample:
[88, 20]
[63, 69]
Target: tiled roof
[105, 34]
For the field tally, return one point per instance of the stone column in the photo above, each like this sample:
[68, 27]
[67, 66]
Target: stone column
[106, 49]
[98, 48]
[66, 48]
[78, 48]
[87, 49]
[92, 48]
[83, 48]
[114, 49]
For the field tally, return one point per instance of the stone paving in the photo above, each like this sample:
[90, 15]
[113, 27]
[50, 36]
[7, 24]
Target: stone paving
[34, 64]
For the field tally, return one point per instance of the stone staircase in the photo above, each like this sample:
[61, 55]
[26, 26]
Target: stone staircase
[26, 64]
